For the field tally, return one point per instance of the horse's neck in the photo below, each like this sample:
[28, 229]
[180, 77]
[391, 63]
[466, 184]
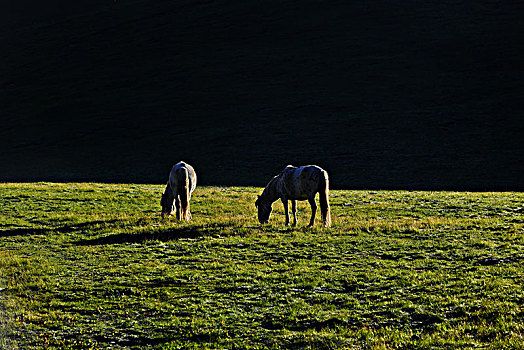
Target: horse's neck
[168, 190]
[271, 193]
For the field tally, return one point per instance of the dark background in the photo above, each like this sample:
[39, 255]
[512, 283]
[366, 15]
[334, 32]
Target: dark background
[382, 94]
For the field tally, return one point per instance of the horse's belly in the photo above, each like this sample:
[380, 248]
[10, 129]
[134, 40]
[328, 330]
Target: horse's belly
[298, 196]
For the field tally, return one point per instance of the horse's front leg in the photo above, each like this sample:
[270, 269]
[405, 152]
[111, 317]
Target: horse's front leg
[294, 211]
[286, 210]
[313, 204]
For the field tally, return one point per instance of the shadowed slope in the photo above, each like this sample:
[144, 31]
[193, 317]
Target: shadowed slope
[381, 94]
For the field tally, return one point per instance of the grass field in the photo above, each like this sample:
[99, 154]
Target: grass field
[94, 266]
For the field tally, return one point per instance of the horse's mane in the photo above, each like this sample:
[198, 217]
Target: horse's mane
[167, 190]
[270, 186]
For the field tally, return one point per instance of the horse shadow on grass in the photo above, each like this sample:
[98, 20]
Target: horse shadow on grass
[163, 235]
[26, 231]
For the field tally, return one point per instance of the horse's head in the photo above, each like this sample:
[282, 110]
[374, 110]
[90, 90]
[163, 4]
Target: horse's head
[166, 202]
[264, 210]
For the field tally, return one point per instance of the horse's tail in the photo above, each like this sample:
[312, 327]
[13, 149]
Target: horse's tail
[184, 194]
[324, 199]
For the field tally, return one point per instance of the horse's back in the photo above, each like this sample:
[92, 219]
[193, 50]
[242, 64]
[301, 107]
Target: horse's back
[178, 175]
[302, 182]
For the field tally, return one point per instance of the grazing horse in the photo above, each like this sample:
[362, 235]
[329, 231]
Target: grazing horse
[296, 184]
[182, 182]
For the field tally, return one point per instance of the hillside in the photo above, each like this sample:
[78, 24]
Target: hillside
[412, 95]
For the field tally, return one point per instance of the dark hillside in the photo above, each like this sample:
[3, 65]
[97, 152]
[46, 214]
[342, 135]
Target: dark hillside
[383, 94]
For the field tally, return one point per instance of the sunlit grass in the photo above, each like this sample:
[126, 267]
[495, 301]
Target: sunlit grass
[94, 266]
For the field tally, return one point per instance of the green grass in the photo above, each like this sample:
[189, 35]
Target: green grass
[94, 266]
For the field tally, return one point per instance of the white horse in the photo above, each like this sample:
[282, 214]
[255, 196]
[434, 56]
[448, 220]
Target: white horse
[296, 184]
[181, 184]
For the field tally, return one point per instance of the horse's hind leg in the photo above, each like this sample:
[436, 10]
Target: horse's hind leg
[186, 214]
[177, 208]
[294, 210]
[313, 204]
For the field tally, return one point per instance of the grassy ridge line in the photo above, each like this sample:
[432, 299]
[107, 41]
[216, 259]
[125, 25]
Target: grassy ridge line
[92, 265]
